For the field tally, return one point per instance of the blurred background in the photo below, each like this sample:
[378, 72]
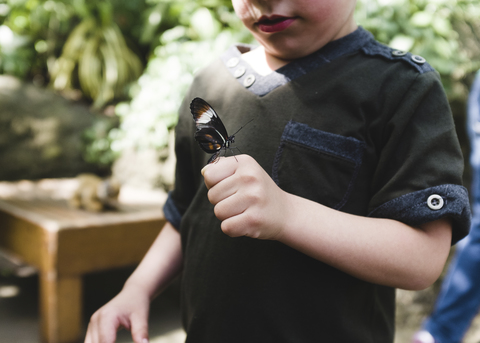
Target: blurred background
[93, 86]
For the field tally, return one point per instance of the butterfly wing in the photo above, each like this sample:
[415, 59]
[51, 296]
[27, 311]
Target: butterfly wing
[204, 114]
[209, 139]
[211, 134]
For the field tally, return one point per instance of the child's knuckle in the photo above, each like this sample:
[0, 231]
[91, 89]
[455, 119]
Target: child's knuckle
[255, 195]
[211, 197]
[218, 211]
[249, 178]
[94, 317]
[254, 220]
[227, 229]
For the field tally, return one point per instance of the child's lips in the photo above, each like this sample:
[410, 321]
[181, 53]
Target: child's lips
[274, 23]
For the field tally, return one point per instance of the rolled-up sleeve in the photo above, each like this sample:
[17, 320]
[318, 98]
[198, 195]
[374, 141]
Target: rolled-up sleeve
[419, 175]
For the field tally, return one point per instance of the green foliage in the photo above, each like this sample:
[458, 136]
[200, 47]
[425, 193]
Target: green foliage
[33, 34]
[445, 32]
[25, 30]
[105, 63]
[200, 34]
[97, 49]
[202, 30]
[97, 45]
[97, 143]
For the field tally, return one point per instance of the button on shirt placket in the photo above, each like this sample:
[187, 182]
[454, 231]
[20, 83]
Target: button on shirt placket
[240, 71]
[233, 62]
[249, 80]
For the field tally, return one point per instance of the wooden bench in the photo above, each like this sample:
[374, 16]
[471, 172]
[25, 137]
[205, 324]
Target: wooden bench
[37, 226]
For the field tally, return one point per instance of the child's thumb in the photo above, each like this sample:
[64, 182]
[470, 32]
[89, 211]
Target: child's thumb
[204, 168]
[139, 329]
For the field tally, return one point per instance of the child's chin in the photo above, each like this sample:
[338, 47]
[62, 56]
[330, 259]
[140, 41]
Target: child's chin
[289, 54]
[288, 48]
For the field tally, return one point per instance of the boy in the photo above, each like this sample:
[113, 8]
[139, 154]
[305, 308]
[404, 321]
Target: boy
[350, 187]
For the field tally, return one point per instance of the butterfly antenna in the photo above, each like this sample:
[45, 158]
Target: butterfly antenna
[241, 127]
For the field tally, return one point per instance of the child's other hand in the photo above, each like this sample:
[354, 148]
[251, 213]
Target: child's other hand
[129, 309]
[246, 199]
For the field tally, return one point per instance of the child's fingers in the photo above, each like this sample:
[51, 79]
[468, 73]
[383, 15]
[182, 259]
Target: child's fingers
[235, 227]
[97, 333]
[229, 206]
[139, 328]
[216, 172]
[107, 332]
[88, 338]
[103, 327]
[223, 189]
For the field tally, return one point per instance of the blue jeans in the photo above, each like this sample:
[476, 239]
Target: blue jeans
[459, 299]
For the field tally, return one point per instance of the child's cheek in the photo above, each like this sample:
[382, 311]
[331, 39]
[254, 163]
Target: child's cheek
[331, 11]
[246, 11]
[240, 8]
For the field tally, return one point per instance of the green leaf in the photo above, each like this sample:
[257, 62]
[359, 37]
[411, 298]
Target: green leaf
[422, 19]
[442, 26]
[173, 34]
[443, 48]
[402, 42]
[204, 24]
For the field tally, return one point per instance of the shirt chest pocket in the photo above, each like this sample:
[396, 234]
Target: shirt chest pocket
[317, 165]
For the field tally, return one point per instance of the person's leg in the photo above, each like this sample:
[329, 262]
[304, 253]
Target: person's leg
[459, 299]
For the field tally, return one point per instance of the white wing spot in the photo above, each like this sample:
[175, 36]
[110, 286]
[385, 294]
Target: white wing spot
[206, 117]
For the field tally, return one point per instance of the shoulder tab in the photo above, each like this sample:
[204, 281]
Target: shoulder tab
[374, 48]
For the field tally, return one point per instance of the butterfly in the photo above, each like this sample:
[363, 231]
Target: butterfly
[211, 134]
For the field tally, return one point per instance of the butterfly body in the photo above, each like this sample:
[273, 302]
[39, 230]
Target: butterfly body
[211, 134]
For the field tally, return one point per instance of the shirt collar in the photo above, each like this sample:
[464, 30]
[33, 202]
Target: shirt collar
[262, 85]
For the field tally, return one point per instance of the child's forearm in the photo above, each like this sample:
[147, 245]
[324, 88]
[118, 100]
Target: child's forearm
[381, 251]
[161, 264]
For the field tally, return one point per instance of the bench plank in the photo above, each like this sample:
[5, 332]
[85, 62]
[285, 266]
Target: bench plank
[38, 226]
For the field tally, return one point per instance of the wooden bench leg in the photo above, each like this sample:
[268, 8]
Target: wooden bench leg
[60, 308]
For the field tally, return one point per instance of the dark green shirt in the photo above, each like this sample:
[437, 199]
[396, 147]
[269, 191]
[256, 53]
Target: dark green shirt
[357, 127]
